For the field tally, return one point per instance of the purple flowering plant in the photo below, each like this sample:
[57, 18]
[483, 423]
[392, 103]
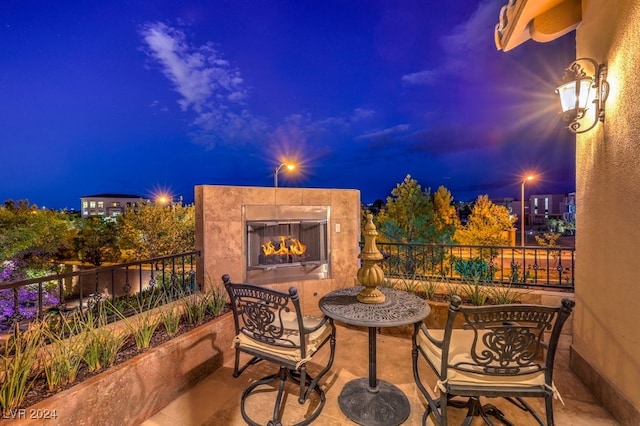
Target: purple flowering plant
[12, 270]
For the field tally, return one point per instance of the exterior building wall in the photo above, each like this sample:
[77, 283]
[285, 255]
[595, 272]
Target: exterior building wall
[606, 335]
[542, 207]
[108, 204]
[220, 234]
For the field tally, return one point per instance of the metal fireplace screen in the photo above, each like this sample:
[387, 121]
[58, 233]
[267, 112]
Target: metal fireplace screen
[271, 244]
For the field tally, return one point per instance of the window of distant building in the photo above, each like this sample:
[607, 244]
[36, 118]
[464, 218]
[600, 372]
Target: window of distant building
[85, 204]
[546, 207]
[115, 204]
[128, 204]
[100, 204]
[92, 204]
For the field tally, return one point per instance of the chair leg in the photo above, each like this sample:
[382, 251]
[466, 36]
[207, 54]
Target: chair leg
[302, 397]
[238, 370]
[444, 400]
[277, 414]
[249, 390]
[314, 383]
[304, 380]
[548, 404]
[431, 404]
[524, 406]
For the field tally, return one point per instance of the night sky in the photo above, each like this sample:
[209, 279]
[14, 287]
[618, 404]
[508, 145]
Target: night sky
[140, 97]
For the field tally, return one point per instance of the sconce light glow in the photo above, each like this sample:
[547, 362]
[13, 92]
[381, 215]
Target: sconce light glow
[579, 91]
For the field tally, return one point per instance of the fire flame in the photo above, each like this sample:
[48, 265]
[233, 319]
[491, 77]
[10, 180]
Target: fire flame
[295, 247]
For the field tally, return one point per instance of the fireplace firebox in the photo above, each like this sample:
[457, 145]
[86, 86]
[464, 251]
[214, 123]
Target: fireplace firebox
[286, 243]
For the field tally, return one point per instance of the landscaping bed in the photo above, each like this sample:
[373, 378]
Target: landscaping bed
[139, 385]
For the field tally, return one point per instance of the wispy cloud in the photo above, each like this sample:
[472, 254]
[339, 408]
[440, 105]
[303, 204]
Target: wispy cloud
[378, 134]
[472, 39]
[206, 83]
[215, 91]
[424, 77]
[447, 139]
[467, 42]
[360, 114]
[197, 73]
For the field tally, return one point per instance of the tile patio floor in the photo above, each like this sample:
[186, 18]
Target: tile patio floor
[216, 399]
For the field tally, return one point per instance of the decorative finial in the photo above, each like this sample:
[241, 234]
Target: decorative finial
[370, 273]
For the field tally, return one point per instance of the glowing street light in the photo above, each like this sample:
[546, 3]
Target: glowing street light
[163, 199]
[289, 166]
[530, 177]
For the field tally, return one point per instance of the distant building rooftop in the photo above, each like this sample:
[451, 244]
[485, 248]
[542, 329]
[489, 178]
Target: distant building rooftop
[111, 196]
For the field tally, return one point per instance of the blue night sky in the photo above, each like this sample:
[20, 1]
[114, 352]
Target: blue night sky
[141, 96]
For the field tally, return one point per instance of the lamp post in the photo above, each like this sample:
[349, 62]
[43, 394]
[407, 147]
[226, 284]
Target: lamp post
[530, 177]
[289, 167]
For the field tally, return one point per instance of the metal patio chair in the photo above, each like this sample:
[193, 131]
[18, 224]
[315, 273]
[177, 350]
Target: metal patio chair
[501, 351]
[270, 327]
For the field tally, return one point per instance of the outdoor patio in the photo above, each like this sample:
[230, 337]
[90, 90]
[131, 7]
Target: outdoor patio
[216, 399]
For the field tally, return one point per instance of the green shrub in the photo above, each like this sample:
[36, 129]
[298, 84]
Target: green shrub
[19, 358]
[429, 288]
[145, 320]
[64, 354]
[476, 293]
[215, 300]
[474, 269]
[101, 344]
[504, 295]
[170, 318]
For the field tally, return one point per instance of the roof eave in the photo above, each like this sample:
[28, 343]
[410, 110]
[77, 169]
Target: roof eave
[539, 20]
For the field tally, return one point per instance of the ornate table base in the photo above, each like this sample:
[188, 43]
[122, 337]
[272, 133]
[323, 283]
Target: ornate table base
[369, 401]
[385, 405]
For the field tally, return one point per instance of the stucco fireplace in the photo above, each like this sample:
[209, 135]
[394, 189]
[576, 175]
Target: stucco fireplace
[286, 243]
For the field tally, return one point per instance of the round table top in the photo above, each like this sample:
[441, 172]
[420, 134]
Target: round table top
[399, 308]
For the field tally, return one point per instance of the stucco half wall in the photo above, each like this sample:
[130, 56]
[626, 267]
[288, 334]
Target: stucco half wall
[220, 234]
[606, 335]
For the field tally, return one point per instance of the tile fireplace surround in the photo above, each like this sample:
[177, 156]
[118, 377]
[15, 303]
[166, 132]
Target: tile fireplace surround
[220, 234]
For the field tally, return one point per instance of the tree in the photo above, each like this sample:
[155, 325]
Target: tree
[408, 216]
[33, 238]
[487, 226]
[446, 218]
[155, 230]
[96, 241]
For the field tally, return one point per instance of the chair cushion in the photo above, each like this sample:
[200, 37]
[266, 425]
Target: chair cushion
[459, 351]
[313, 341]
[289, 320]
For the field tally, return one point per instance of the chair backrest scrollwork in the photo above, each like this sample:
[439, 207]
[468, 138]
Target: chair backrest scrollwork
[507, 340]
[266, 315]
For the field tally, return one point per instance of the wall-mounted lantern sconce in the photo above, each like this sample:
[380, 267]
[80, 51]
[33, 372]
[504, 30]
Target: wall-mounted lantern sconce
[579, 90]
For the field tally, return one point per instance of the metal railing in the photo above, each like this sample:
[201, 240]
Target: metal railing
[527, 267]
[32, 298]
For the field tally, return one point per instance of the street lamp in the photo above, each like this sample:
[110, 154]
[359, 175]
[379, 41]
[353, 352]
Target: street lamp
[289, 166]
[530, 177]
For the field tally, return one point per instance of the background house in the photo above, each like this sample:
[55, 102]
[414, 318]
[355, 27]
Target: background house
[109, 204]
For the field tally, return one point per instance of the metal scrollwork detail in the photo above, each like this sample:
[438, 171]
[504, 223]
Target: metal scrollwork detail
[399, 307]
[507, 342]
[506, 346]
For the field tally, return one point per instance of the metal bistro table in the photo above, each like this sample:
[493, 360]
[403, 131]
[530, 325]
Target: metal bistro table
[372, 401]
